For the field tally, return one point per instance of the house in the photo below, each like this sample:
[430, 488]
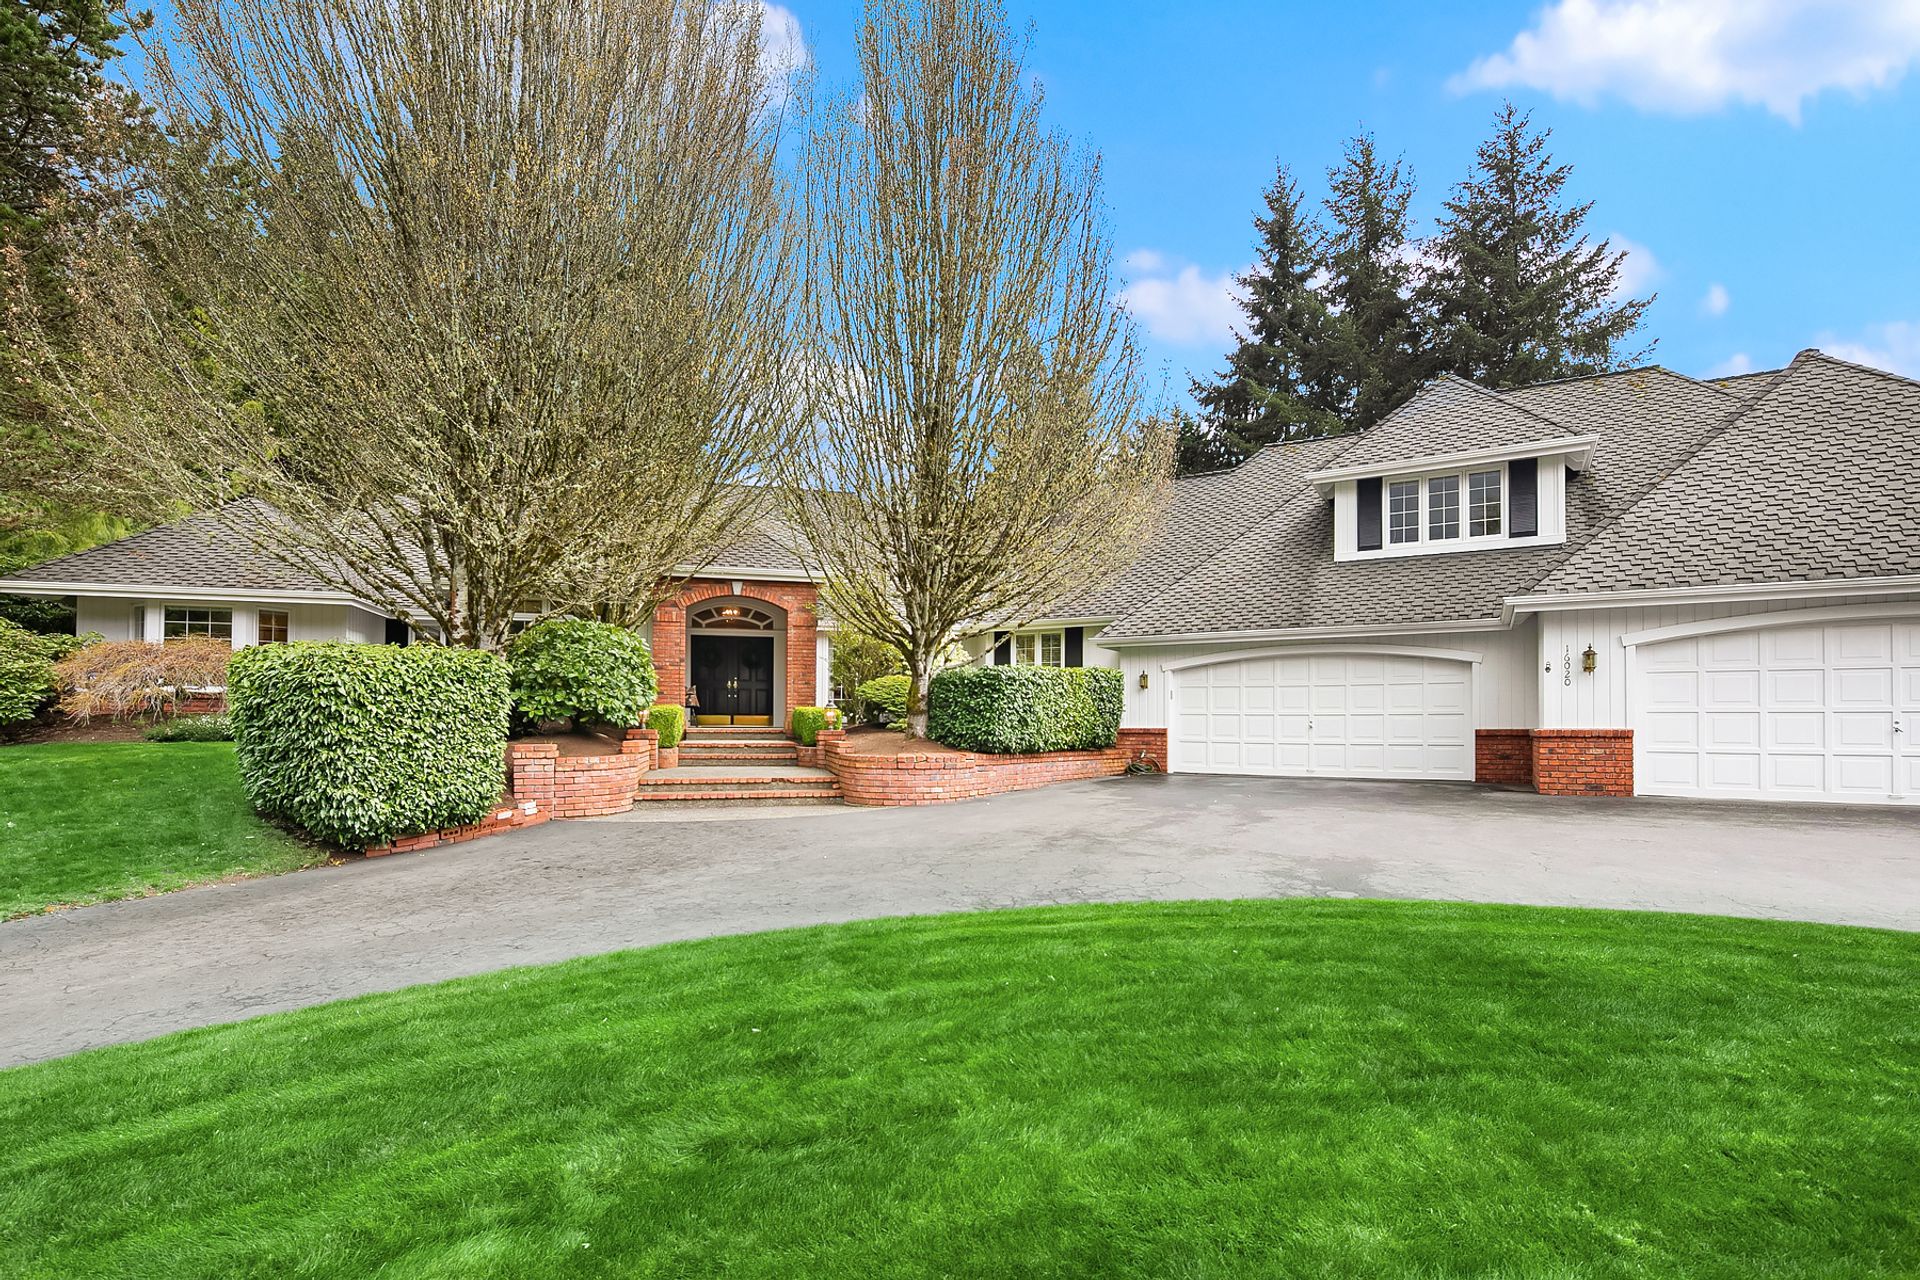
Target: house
[1631, 583]
[744, 633]
[1634, 583]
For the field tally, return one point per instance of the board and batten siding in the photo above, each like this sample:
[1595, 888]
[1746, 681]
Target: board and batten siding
[1569, 698]
[1505, 692]
[112, 617]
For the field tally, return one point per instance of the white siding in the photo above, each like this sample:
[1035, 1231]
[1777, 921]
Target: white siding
[112, 618]
[1572, 699]
[365, 627]
[1505, 692]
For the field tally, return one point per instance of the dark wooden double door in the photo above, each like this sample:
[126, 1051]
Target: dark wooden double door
[734, 677]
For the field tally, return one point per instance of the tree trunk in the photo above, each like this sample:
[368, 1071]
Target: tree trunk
[917, 680]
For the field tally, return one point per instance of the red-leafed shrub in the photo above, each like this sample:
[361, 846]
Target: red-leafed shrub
[121, 678]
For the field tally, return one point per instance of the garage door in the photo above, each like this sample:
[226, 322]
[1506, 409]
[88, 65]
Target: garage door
[1326, 715]
[1783, 713]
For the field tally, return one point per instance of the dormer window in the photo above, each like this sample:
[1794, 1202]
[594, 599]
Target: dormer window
[1427, 509]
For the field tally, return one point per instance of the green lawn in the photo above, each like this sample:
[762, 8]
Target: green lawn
[1263, 1088]
[90, 822]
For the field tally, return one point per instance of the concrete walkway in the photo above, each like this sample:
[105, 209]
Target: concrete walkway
[130, 970]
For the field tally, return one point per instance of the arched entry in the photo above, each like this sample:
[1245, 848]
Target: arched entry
[735, 648]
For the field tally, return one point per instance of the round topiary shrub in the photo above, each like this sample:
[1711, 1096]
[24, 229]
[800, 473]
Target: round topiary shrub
[670, 722]
[584, 672]
[888, 693]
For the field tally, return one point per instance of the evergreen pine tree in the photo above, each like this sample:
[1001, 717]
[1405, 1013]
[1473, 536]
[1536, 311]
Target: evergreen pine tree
[1375, 348]
[1519, 293]
[1275, 384]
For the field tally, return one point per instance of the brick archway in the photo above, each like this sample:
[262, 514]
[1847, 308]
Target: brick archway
[797, 601]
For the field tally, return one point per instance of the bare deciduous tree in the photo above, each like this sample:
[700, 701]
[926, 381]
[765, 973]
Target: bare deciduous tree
[491, 298]
[976, 388]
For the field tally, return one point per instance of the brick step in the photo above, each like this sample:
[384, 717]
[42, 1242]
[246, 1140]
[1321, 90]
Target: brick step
[756, 731]
[745, 744]
[666, 782]
[710, 755]
[720, 798]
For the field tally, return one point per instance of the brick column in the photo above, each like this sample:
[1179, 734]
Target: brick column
[670, 652]
[1503, 757]
[802, 642]
[1151, 743]
[1583, 762]
[531, 767]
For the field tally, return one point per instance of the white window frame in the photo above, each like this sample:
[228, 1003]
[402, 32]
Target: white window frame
[1036, 647]
[188, 627]
[1423, 542]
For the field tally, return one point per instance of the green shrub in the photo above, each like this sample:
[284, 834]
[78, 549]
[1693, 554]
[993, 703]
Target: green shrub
[210, 728]
[359, 743]
[27, 680]
[670, 722]
[1008, 710]
[887, 693]
[585, 672]
[807, 724]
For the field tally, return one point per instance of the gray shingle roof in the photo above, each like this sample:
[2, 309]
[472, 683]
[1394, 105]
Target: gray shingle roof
[210, 550]
[1812, 480]
[1281, 574]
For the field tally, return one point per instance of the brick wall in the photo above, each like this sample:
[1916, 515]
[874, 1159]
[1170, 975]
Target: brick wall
[1583, 762]
[798, 600]
[914, 778]
[1151, 743]
[1503, 757]
[581, 786]
[508, 816]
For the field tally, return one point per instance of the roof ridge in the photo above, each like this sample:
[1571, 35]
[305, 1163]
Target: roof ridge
[1501, 397]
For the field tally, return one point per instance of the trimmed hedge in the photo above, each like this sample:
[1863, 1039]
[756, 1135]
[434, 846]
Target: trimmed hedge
[670, 722]
[1021, 710]
[889, 693]
[807, 723]
[359, 743]
[586, 672]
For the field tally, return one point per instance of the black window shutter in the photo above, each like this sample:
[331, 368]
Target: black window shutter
[1076, 646]
[1523, 497]
[1368, 493]
[1003, 648]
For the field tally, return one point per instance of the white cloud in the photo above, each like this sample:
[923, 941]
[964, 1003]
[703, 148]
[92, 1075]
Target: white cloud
[1738, 362]
[1641, 270]
[1690, 56]
[1181, 305]
[783, 49]
[1894, 347]
[1716, 301]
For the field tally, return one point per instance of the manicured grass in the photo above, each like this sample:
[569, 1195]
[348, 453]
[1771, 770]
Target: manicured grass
[90, 822]
[1293, 1088]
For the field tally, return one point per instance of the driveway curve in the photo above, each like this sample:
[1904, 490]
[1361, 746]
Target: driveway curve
[126, 971]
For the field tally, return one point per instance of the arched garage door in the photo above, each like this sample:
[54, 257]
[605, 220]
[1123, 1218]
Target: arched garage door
[1326, 715]
[1815, 712]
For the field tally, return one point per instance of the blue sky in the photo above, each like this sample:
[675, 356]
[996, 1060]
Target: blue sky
[1760, 158]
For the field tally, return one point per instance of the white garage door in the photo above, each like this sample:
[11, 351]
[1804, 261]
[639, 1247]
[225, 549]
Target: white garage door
[1783, 713]
[1326, 715]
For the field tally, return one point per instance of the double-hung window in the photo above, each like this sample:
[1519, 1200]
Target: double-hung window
[1040, 649]
[1483, 503]
[181, 621]
[1403, 511]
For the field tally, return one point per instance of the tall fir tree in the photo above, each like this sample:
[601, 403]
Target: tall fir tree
[1376, 347]
[1277, 384]
[64, 162]
[1519, 293]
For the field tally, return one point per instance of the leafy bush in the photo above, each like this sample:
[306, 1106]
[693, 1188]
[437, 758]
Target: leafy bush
[586, 672]
[212, 728]
[670, 722]
[807, 723]
[121, 678]
[887, 693]
[1008, 710]
[27, 677]
[857, 658]
[359, 743]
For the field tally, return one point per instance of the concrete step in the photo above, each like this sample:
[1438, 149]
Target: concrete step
[755, 731]
[744, 756]
[721, 797]
[743, 776]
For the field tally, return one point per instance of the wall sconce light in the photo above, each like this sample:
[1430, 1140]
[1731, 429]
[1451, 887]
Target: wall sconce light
[1589, 660]
[1143, 679]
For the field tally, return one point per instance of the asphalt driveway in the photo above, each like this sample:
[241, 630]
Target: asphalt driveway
[125, 971]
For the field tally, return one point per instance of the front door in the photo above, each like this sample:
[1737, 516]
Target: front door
[734, 677]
